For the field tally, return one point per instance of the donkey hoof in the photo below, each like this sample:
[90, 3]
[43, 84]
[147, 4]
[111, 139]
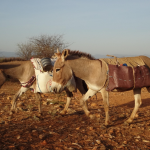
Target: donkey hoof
[63, 112]
[40, 114]
[107, 123]
[126, 123]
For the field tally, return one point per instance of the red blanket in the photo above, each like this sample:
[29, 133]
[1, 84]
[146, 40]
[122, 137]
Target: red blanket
[125, 78]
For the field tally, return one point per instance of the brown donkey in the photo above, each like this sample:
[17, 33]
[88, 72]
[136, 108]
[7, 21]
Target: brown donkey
[23, 71]
[93, 72]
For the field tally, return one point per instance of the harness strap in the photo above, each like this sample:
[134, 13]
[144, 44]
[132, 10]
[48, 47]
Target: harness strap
[105, 84]
[29, 83]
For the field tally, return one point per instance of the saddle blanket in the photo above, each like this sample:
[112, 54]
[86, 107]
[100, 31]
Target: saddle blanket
[43, 79]
[125, 78]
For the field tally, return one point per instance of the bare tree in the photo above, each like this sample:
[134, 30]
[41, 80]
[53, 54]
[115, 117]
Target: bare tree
[42, 46]
[25, 51]
[46, 46]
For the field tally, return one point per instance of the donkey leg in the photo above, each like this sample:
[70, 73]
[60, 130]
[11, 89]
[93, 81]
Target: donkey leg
[69, 95]
[18, 94]
[2, 78]
[83, 100]
[38, 98]
[105, 96]
[82, 87]
[64, 111]
[137, 97]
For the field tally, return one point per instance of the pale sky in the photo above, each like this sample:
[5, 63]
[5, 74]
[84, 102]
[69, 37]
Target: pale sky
[93, 26]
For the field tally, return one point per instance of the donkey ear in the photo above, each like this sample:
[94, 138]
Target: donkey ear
[58, 50]
[56, 55]
[64, 54]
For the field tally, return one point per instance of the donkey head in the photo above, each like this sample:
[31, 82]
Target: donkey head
[62, 74]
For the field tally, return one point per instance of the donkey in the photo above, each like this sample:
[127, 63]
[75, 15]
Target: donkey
[93, 72]
[23, 71]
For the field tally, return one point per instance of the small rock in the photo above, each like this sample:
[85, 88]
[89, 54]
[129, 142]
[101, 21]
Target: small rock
[18, 137]
[20, 104]
[42, 95]
[94, 148]
[6, 122]
[77, 145]
[43, 143]
[2, 93]
[41, 136]
[52, 132]
[120, 147]
[45, 103]
[98, 115]
[9, 97]
[111, 131]
[19, 108]
[56, 106]
[99, 110]
[70, 111]
[93, 104]
[49, 100]
[148, 124]
[90, 128]
[106, 135]
[70, 148]
[2, 122]
[110, 136]
[78, 128]
[75, 103]
[142, 128]
[127, 114]
[98, 141]
[102, 147]
[137, 137]
[146, 141]
[33, 131]
[101, 135]
[11, 146]
[2, 111]
[136, 140]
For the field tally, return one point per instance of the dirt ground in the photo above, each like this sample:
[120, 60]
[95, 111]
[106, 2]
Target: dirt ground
[27, 130]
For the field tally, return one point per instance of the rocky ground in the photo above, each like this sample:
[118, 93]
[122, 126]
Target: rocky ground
[25, 130]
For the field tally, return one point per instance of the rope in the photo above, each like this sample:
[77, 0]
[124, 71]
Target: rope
[29, 83]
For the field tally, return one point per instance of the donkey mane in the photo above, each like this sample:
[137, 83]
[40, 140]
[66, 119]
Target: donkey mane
[80, 54]
[11, 59]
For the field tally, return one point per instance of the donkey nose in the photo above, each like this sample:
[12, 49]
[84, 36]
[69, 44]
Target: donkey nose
[55, 90]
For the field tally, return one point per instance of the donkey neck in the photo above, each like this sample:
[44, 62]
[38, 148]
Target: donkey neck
[82, 68]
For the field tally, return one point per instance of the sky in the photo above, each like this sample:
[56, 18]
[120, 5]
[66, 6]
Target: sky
[98, 27]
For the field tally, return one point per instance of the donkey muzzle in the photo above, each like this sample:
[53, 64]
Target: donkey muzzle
[56, 87]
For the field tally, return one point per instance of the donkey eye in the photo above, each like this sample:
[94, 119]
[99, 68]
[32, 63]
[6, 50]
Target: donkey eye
[57, 69]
